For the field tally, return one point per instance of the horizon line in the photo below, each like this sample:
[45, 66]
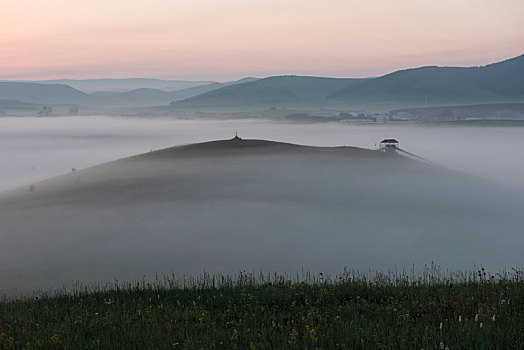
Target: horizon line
[240, 77]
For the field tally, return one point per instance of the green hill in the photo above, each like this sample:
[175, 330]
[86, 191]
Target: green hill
[52, 94]
[269, 92]
[418, 87]
[44, 93]
[433, 86]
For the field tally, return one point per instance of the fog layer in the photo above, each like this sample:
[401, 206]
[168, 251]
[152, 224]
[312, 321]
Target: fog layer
[232, 205]
[32, 149]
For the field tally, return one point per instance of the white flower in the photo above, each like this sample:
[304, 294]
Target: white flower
[460, 318]
[480, 324]
[440, 325]
[493, 318]
[476, 317]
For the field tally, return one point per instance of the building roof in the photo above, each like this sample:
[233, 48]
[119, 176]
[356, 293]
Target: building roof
[389, 141]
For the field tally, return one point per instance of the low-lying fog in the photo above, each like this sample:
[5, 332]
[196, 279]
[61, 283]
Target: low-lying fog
[225, 207]
[33, 149]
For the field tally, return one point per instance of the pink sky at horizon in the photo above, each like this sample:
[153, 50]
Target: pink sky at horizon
[230, 39]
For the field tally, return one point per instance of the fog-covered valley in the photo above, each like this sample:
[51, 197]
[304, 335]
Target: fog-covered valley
[232, 205]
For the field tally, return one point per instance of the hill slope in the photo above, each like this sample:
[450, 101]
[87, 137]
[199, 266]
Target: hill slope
[156, 97]
[432, 86]
[42, 93]
[226, 206]
[418, 87]
[268, 92]
[46, 93]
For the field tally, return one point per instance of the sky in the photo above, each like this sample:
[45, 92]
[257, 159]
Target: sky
[230, 39]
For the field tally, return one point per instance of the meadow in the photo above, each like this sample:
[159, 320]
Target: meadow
[430, 310]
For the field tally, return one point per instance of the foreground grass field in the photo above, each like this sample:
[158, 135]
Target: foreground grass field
[393, 311]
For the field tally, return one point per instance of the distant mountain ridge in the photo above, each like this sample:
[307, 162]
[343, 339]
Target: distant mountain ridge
[429, 86]
[500, 82]
[497, 82]
[124, 85]
[277, 90]
[52, 94]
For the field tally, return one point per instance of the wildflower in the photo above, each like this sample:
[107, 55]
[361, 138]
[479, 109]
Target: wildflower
[440, 325]
[460, 318]
[480, 324]
[476, 317]
[441, 344]
[493, 318]
[293, 337]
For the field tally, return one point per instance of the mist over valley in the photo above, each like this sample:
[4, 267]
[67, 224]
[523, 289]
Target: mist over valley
[230, 205]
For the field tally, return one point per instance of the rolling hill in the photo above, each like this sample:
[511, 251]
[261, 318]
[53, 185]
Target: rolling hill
[44, 94]
[52, 94]
[273, 91]
[418, 87]
[123, 85]
[433, 86]
[230, 205]
[144, 97]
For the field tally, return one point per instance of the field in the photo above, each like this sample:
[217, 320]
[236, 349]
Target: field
[431, 310]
